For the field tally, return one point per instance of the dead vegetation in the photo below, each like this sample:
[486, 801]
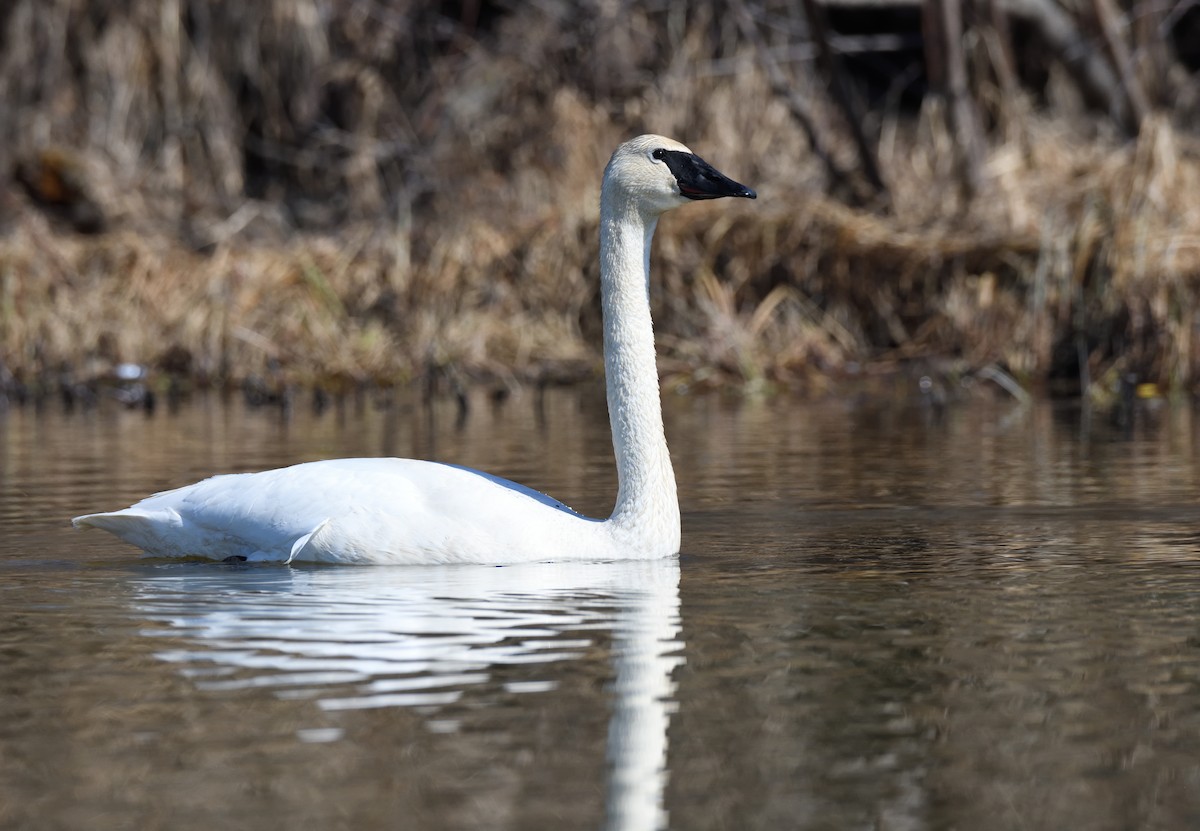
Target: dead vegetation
[334, 193]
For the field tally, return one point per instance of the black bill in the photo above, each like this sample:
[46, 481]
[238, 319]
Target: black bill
[698, 179]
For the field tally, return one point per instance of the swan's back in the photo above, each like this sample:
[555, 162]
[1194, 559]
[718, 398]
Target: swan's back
[353, 510]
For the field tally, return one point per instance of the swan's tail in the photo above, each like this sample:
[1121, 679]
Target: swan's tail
[148, 531]
[116, 522]
[109, 522]
[162, 532]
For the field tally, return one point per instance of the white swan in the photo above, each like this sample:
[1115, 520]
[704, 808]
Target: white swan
[413, 512]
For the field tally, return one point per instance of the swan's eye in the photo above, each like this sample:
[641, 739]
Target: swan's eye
[659, 154]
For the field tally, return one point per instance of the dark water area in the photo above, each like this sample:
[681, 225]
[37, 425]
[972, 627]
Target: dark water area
[884, 617]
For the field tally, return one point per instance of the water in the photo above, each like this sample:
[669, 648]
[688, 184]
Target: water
[884, 617]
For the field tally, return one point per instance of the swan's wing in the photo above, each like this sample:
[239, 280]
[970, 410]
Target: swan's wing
[517, 487]
[344, 510]
[438, 513]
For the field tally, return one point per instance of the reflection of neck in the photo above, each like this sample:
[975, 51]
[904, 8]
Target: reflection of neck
[647, 504]
[645, 652]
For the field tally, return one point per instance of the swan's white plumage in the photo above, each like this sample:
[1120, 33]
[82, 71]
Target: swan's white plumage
[408, 511]
[355, 511]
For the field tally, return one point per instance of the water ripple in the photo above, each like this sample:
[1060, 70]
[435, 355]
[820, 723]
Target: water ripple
[390, 637]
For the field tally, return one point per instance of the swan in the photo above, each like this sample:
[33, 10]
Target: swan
[405, 511]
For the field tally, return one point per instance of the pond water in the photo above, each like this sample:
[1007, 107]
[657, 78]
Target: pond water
[885, 616]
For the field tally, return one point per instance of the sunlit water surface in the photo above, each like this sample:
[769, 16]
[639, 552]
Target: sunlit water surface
[884, 617]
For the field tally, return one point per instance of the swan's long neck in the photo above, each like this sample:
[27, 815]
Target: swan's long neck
[647, 508]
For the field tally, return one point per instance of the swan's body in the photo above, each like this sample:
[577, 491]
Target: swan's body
[407, 511]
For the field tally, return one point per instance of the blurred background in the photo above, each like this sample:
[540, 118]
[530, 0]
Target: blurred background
[338, 193]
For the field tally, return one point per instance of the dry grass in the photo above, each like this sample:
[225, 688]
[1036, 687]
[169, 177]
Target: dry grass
[338, 193]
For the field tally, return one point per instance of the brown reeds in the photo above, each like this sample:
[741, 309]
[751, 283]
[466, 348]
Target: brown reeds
[344, 192]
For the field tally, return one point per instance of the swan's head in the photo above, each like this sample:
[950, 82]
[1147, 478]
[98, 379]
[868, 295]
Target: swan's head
[658, 174]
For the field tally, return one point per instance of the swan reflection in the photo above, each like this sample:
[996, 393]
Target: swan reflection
[427, 637]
